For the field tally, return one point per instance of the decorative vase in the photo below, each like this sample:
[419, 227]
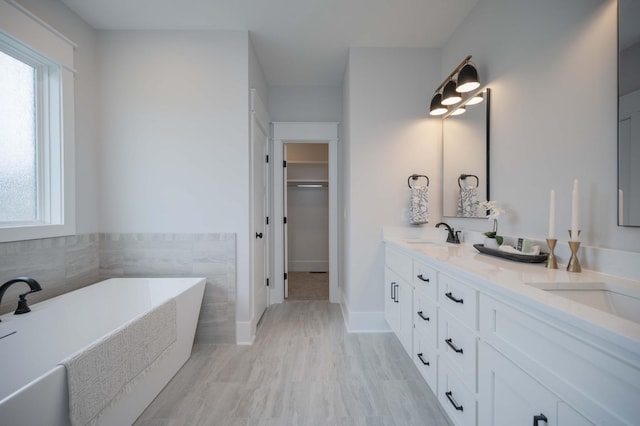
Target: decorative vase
[491, 243]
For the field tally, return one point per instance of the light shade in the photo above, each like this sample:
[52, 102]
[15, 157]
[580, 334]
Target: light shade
[477, 98]
[460, 110]
[467, 79]
[449, 94]
[436, 107]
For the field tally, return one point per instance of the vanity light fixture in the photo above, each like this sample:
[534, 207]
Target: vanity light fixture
[476, 99]
[463, 79]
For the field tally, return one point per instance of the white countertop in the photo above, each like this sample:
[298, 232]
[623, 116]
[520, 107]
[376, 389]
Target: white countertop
[507, 279]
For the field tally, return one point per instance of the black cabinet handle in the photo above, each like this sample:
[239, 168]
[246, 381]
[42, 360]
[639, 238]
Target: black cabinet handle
[259, 235]
[421, 278]
[450, 296]
[396, 293]
[422, 359]
[452, 346]
[422, 316]
[453, 401]
[539, 418]
[393, 287]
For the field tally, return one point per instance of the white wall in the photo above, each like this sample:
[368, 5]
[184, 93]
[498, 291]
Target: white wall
[174, 152]
[552, 69]
[387, 138]
[70, 25]
[305, 103]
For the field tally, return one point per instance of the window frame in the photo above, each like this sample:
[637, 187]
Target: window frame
[30, 40]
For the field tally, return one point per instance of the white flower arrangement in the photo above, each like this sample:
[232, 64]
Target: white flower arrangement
[493, 213]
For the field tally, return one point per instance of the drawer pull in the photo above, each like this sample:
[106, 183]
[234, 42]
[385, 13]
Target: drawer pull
[421, 278]
[396, 299]
[450, 296]
[539, 418]
[393, 287]
[453, 401]
[422, 316]
[422, 359]
[452, 346]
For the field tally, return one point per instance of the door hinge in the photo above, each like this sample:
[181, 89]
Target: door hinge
[284, 163]
[285, 219]
[285, 275]
[266, 159]
[267, 220]
[267, 282]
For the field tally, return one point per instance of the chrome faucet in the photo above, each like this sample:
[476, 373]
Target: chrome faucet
[34, 286]
[453, 235]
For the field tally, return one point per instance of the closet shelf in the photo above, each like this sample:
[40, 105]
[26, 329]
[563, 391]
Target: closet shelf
[296, 182]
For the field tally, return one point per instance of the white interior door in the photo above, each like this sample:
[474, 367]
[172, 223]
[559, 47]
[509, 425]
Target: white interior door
[259, 143]
[285, 228]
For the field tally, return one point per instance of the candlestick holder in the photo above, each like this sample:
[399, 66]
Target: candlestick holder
[574, 263]
[552, 262]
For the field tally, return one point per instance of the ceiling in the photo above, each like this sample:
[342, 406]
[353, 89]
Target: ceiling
[298, 42]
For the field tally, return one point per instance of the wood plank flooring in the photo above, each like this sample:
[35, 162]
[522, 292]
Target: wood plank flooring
[303, 369]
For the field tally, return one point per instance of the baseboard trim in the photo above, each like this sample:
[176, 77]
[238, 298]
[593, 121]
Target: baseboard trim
[363, 322]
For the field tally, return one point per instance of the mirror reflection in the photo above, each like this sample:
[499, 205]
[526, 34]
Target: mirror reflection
[629, 113]
[465, 165]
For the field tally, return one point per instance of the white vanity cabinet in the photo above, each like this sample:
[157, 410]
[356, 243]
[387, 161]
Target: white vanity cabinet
[399, 296]
[585, 382]
[493, 357]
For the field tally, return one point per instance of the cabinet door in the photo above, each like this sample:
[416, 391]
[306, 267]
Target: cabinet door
[509, 396]
[405, 304]
[391, 301]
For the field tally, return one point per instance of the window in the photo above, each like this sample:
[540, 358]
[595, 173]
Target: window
[37, 187]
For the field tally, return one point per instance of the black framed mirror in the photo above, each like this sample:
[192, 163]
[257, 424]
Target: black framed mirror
[465, 159]
[628, 113]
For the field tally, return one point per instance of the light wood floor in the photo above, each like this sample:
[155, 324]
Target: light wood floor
[308, 286]
[303, 369]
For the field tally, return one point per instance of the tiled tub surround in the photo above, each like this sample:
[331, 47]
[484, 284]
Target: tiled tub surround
[60, 265]
[68, 263]
[212, 256]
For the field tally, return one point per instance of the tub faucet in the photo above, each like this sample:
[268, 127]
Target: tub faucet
[34, 286]
[453, 235]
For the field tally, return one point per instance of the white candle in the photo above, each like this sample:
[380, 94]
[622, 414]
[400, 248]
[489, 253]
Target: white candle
[574, 211]
[552, 215]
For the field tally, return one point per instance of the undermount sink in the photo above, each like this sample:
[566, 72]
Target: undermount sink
[615, 299]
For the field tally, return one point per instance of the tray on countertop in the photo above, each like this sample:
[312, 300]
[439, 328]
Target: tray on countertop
[526, 258]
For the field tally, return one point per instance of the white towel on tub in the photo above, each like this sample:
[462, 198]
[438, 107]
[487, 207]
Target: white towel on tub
[419, 207]
[98, 374]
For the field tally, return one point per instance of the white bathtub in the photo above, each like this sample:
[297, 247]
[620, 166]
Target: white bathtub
[33, 386]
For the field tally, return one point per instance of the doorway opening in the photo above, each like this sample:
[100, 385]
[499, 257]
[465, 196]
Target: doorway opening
[310, 177]
[307, 225]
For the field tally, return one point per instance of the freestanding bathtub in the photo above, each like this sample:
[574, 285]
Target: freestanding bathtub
[33, 384]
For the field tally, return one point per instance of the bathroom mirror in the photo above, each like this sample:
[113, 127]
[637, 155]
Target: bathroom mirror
[465, 160]
[628, 113]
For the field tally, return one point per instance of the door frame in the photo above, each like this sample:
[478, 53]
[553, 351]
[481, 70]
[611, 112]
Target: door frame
[304, 132]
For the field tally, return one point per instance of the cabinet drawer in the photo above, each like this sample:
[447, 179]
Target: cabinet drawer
[458, 348]
[425, 357]
[399, 263]
[459, 403]
[424, 316]
[459, 299]
[425, 278]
